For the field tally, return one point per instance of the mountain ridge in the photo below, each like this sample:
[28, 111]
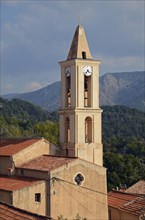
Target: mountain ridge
[121, 88]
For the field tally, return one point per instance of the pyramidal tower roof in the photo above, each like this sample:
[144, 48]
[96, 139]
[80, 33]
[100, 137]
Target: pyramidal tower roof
[79, 47]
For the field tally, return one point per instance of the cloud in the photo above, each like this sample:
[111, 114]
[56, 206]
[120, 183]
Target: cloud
[121, 64]
[36, 35]
[32, 86]
[15, 34]
[9, 87]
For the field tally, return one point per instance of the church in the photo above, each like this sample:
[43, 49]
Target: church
[70, 181]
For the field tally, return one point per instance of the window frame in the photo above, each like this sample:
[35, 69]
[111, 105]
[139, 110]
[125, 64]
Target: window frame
[38, 197]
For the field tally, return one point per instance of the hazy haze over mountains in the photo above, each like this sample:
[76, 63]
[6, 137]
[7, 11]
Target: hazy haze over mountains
[126, 88]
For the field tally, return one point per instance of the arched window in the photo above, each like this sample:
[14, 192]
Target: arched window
[87, 91]
[88, 130]
[67, 132]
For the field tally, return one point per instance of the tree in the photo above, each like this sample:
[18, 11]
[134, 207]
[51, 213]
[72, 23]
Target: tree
[48, 130]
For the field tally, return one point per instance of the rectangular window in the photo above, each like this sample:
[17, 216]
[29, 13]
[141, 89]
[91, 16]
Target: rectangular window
[37, 197]
[84, 55]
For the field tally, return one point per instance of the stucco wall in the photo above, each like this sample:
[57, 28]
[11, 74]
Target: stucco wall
[116, 214]
[25, 198]
[37, 149]
[32, 173]
[5, 164]
[69, 199]
[6, 196]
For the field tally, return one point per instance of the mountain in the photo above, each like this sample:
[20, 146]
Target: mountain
[48, 97]
[125, 88]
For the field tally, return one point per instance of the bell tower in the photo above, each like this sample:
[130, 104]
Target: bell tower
[80, 115]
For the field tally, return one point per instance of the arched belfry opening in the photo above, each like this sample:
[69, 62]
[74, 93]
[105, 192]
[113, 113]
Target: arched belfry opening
[88, 130]
[67, 130]
[68, 91]
[87, 91]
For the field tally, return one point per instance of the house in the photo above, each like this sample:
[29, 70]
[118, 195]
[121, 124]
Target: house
[19, 150]
[125, 206]
[24, 193]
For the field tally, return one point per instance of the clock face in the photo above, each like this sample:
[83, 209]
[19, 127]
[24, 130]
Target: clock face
[68, 71]
[87, 70]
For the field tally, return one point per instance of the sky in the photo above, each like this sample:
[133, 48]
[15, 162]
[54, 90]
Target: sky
[35, 35]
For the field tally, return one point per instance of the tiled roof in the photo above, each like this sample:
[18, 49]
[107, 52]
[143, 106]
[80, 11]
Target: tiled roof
[138, 188]
[15, 183]
[47, 163]
[126, 202]
[9, 147]
[8, 212]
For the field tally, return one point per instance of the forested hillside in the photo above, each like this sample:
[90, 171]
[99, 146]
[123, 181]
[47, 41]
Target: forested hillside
[22, 119]
[124, 145]
[123, 136]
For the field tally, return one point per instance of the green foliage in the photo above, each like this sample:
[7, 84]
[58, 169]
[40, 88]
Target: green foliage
[123, 170]
[22, 110]
[123, 136]
[123, 122]
[61, 218]
[76, 218]
[79, 218]
[49, 130]
[22, 119]
[124, 145]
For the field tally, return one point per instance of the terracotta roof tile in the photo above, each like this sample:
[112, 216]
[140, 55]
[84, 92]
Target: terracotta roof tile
[126, 202]
[138, 188]
[47, 163]
[15, 183]
[9, 147]
[8, 212]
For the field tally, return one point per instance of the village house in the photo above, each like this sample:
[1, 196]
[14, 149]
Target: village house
[126, 206]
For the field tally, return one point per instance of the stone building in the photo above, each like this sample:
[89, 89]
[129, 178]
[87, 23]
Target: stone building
[73, 182]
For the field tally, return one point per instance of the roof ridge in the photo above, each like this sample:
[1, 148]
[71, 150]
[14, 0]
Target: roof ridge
[59, 156]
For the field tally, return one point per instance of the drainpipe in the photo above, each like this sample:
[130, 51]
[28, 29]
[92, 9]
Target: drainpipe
[48, 196]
